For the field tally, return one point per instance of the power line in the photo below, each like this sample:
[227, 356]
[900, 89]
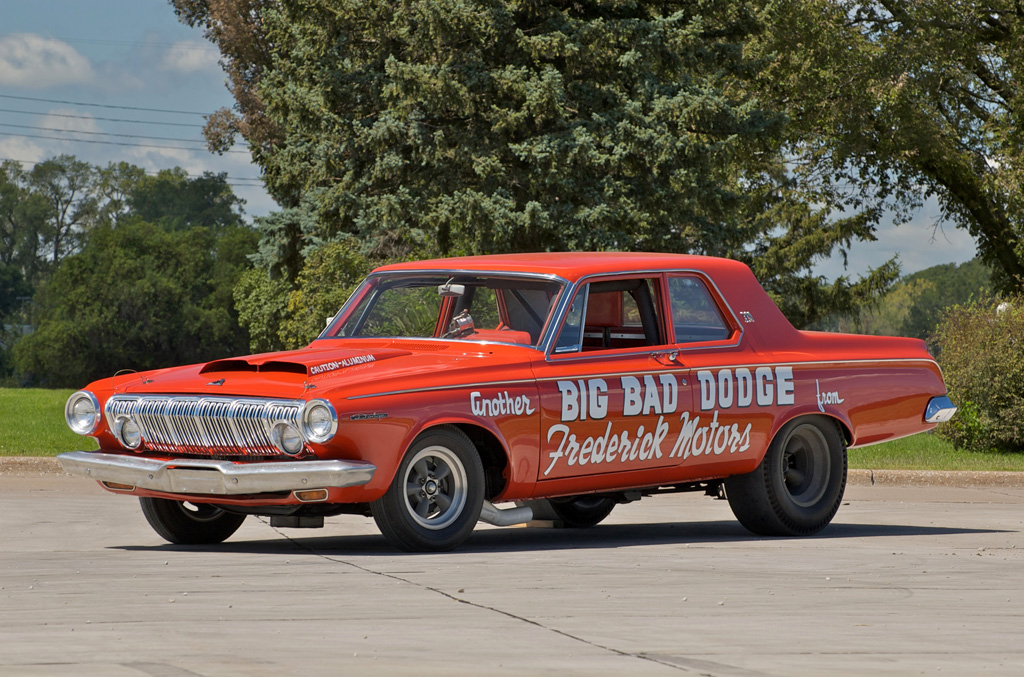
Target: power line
[100, 105]
[178, 45]
[82, 131]
[132, 43]
[259, 181]
[110, 143]
[90, 117]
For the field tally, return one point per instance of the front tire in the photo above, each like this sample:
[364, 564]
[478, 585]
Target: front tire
[189, 523]
[799, 485]
[434, 501]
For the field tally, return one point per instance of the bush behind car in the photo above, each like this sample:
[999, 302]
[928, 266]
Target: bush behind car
[981, 351]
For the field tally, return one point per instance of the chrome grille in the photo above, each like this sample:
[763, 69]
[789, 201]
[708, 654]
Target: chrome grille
[205, 426]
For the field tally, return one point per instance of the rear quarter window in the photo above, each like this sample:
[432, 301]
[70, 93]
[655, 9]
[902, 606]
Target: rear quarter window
[695, 315]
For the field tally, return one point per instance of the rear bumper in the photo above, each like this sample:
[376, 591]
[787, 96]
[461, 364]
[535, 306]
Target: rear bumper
[939, 410]
[207, 476]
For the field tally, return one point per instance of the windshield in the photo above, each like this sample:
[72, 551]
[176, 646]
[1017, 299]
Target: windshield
[481, 307]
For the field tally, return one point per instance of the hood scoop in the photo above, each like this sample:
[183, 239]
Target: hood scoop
[239, 364]
[314, 363]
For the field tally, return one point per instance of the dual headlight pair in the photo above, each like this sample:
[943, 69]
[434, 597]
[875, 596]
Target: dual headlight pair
[317, 422]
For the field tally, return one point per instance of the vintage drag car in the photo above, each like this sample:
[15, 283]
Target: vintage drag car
[508, 388]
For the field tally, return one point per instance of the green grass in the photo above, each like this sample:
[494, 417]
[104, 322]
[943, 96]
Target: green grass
[929, 452]
[32, 423]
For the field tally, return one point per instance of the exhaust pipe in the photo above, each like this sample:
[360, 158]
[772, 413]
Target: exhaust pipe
[505, 517]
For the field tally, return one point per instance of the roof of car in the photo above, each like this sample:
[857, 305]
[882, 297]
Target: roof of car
[570, 265]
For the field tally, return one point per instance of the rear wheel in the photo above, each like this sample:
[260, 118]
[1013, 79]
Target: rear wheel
[189, 523]
[434, 501]
[797, 488]
[582, 511]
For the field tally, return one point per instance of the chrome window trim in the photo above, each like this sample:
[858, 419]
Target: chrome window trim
[550, 321]
[551, 356]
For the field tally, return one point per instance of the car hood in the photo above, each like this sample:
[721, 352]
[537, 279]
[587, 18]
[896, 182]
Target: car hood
[321, 370]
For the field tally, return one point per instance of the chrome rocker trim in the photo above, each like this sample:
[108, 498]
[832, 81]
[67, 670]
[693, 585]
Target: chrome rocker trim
[939, 410]
[207, 476]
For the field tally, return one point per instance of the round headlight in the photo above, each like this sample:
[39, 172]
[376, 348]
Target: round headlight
[287, 438]
[319, 421]
[82, 412]
[127, 432]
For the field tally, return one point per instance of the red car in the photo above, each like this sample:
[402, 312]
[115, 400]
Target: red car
[556, 384]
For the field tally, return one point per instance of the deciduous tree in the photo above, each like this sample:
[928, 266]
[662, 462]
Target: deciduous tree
[136, 297]
[891, 102]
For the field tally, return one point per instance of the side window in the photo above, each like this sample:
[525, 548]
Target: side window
[612, 315]
[482, 304]
[695, 316]
[569, 338]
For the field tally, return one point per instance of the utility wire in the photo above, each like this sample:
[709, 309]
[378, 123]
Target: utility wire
[178, 45]
[125, 136]
[90, 117]
[258, 181]
[109, 143]
[100, 105]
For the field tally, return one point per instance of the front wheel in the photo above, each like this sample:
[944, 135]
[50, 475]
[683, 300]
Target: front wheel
[189, 523]
[797, 488]
[434, 501]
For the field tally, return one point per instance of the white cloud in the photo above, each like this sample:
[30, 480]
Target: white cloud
[23, 150]
[114, 77]
[190, 57]
[36, 62]
[81, 123]
[923, 242]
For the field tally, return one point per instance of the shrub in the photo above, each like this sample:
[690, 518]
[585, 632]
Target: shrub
[981, 351]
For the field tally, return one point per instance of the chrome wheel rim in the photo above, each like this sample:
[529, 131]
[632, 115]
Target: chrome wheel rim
[436, 487]
[806, 466]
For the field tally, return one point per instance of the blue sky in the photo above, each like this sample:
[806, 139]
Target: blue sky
[133, 54]
[57, 55]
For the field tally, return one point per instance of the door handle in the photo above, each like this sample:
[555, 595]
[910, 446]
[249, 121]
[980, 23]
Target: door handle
[666, 356]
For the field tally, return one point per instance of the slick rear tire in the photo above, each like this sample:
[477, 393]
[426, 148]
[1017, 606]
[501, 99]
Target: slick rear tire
[189, 523]
[435, 499]
[582, 512]
[799, 485]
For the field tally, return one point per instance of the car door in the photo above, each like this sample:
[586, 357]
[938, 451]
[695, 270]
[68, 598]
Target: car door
[730, 395]
[611, 388]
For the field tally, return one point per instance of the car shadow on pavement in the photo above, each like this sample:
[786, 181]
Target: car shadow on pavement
[544, 538]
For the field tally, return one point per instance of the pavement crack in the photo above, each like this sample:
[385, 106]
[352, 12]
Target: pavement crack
[485, 607]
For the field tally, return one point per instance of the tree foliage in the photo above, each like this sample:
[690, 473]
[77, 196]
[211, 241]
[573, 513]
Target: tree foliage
[915, 305]
[145, 272]
[891, 102]
[469, 126]
[982, 359]
[177, 202]
[278, 315]
[136, 297]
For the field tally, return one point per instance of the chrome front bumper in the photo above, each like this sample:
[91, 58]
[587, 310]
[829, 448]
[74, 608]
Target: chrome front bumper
[939, 410]
[207, 476]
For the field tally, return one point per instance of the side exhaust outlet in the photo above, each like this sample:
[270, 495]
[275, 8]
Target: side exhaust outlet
[505, 517]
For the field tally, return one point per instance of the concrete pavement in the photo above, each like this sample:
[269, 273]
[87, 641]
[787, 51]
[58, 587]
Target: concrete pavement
[907, 580]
